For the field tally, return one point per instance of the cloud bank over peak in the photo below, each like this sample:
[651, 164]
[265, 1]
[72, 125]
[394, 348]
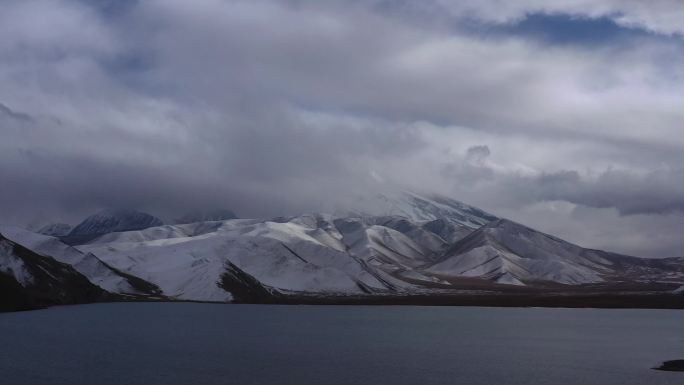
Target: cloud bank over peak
[278, 107]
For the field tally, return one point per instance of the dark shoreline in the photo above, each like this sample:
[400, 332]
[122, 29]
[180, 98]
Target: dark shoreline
[671, 366]
[521, 300]
[606, 301]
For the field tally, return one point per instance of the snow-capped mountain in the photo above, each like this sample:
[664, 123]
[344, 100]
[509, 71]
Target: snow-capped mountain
[55, 229]
[410, 245]
[109, 221]
[206, 216]
[509, 253]
[304, 254]
[29, 280]
[324, 254]
[422, 208]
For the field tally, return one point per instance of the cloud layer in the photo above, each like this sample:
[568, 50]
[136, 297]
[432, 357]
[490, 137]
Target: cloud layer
[277, 107]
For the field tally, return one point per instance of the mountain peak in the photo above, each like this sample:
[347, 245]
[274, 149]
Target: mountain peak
[424, 207]
[55, 229]
[115, 220]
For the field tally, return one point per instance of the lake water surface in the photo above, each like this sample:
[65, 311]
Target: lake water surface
[205, 344]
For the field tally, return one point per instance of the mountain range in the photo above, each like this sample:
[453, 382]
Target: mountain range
[400, 248]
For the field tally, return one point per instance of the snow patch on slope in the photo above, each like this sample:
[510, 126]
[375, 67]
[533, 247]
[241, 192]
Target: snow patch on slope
[13, 265]
[509, 279]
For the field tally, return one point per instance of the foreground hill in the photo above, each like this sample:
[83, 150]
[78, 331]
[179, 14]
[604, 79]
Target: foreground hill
[89, 265]
[29, 280]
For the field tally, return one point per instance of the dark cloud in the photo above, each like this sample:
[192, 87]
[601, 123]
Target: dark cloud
[655, 192]
[11, 114]
[477, 155]
[628, 192]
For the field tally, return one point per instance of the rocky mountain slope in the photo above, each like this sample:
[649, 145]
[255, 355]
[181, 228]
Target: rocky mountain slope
[89, 265]
[29, 280]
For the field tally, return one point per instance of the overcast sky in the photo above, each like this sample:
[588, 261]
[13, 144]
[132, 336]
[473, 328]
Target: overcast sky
[565, 115]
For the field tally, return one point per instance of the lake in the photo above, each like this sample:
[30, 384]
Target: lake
[207, 344]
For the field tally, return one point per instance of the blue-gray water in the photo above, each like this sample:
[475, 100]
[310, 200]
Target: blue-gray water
[169, 344]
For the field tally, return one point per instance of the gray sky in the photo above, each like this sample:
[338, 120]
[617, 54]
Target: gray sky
[564, 115]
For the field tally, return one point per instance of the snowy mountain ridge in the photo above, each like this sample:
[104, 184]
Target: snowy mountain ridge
[415, 245]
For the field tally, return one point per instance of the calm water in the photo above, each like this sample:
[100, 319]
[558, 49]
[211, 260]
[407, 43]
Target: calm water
[205, 344]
